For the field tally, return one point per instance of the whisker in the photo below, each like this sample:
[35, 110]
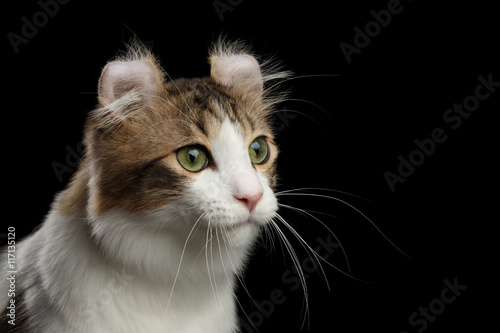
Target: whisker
[300, 113]
[306, 246]
[218, 301]
[352, 207]
[180, 263]
[316, 256]
[197, 257]
[329, 230]
[231, 246]
[296, 262]
[220, 252]
[285, 79]
[208, 265]
[322, 189]
[269, 237]
[308, 102]
[226, 240]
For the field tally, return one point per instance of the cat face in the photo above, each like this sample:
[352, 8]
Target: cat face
[232, 192]
[201, 149]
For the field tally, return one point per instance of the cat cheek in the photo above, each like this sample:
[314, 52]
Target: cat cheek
[268, 205]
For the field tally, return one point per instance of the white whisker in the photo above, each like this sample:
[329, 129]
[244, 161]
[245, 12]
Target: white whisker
[352, 207]
[269, 236]
[284, 78]
[295, 260]
[308, 102]
[331, 232]
[300, 113]
[180, 263]
[320, 189]
[218, 301]
[225, 240]
[209, 231]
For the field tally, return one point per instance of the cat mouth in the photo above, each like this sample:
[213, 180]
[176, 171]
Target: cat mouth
[233, 227]
[239, 225]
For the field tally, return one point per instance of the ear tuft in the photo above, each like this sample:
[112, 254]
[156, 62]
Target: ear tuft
[237, 70]
[121, 77]
[127, 84]
[233, 65]
[136, 71]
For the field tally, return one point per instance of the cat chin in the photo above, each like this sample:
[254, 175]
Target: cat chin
[240, 230]
[237, 234]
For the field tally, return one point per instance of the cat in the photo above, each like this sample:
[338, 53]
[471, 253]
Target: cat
[175, 186]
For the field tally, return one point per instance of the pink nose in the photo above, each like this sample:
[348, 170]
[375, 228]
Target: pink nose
[250, 200]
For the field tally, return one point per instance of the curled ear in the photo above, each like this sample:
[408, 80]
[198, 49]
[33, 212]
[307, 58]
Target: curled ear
[121, 77]
[139, 74]
[233, 66]
[126, 85]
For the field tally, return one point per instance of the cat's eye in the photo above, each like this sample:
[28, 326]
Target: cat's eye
[258, 151]
[192, 158]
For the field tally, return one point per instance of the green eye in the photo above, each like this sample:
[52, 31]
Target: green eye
[192, 158]
[258, 151]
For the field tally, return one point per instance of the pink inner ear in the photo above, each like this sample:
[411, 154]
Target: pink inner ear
[119, 77]
[234, 70]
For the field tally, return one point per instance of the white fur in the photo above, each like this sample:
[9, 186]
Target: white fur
[123, 273]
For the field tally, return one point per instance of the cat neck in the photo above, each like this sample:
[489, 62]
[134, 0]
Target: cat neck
[152, 276]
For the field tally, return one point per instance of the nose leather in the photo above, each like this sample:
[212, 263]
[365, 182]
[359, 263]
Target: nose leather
[250, 200]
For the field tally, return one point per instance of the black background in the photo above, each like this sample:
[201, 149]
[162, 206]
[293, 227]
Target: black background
[395, 90]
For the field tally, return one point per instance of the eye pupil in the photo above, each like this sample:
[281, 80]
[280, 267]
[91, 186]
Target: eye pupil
[193, 154]
[193, 158]
[258, 151]
[256, 146]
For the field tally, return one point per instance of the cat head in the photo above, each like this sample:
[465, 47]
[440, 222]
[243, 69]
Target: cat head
[200, 149]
